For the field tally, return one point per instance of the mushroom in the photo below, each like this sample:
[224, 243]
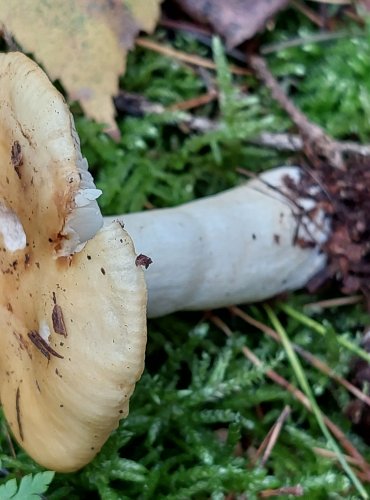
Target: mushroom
[73, 300]
[73, 307]
[243, 245]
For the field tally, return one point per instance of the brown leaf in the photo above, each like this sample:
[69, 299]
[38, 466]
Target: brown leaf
[81, 42]
[236, 20]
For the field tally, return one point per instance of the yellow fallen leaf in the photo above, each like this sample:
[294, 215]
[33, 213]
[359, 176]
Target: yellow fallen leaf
[145, 12]
[81, 42]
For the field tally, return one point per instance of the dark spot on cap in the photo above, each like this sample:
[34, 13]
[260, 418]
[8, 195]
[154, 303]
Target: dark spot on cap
[89, 257]
[58, 320]
[16, 157]
[277, 239]
[143, 260]
[42, 345]
[102, 270]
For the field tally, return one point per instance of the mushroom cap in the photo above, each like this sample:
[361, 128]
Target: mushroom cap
[73, 303]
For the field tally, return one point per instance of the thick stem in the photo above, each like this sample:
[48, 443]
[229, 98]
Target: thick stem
[234, 247]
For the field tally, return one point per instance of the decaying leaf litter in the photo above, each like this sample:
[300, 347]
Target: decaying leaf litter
[344, 268]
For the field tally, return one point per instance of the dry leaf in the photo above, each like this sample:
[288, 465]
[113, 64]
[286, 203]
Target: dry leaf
[81, 42]
[145, 12]
[236, 20]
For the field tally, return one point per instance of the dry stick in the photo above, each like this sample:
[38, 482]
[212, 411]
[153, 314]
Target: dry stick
[296, 491]
[299, 396]
[131, 103]
[135, 104]
[293, 142]
[184, 57]
[194, 102]
[337, 302]
[323, 452]
[311, 14]
[310, 358]
[180, 25]
[272, 436]
[316, 141]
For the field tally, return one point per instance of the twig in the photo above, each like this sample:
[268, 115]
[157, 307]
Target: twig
[187, 58]
[181, 25]
[337, 302]
[195, 101]
[323, 452]
[272, 436]
[202, 34]
[317, 144]
[292, 142]
[296, 491]
[311, 14]
[136, 105]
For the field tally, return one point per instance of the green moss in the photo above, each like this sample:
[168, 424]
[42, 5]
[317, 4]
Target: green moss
[157, 163]
[330, 80]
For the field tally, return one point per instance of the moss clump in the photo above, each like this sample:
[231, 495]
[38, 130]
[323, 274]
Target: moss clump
[330, 81]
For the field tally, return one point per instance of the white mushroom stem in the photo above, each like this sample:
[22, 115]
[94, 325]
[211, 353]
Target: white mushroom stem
[235, 247]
